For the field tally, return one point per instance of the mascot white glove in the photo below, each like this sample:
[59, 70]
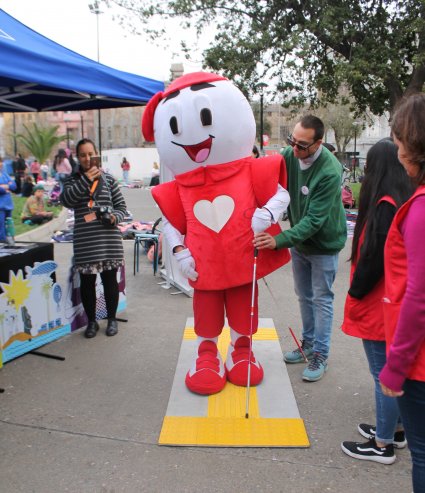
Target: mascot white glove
[261, 220]
[186, 264]
[270, 213]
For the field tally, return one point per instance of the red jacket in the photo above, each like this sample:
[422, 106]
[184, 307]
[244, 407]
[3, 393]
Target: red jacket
[395, 288]
[364, 317]
[223, 250]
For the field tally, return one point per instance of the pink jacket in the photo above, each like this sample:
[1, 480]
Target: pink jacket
[64, 166]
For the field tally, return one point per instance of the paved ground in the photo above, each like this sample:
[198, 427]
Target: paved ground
[91, 423]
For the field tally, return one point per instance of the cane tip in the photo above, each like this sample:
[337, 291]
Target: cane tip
[246, 415]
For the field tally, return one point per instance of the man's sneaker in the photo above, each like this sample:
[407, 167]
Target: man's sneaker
[369, 431]
[316, 368]
[295, 356]
[369, 451]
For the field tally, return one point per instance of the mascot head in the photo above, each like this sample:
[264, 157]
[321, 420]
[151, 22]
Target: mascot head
[200, 119]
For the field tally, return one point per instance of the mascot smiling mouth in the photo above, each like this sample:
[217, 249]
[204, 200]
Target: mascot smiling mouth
[198, 152]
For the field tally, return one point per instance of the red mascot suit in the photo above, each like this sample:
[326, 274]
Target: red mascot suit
[204, 130]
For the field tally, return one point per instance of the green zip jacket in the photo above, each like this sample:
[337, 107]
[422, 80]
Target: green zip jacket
[316, 213]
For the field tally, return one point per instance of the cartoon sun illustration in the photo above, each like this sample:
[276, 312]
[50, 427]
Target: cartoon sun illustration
[17, 290]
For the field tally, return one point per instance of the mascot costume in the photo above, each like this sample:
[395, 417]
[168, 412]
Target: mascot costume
[204, 130]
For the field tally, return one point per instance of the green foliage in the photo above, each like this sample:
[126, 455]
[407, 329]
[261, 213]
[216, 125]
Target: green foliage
[376, 48]
[40, 141]
[355, 188]
[342, 121]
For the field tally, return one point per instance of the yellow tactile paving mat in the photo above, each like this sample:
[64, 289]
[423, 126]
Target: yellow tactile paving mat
[219, 420]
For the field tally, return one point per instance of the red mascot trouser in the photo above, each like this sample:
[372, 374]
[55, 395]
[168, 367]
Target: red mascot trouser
[210, 307]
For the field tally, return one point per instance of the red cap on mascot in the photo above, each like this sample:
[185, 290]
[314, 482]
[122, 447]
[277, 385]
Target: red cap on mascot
[178, 84]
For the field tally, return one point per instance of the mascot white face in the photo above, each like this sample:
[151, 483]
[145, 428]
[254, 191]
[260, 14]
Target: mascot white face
[202, 124]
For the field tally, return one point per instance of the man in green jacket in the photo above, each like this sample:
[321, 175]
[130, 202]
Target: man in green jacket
[318, 233]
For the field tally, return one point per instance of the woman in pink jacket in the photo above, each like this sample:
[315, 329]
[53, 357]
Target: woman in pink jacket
[62, 166]
[403, 376]
[385, 188]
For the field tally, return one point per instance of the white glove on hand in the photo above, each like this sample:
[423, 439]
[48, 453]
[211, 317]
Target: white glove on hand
[187, 264]
[261, 220]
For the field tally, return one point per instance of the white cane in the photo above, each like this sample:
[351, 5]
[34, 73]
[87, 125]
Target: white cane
[254, 275]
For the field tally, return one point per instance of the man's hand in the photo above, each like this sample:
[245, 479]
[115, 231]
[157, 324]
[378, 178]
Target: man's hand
[186, 264]
[264, 241]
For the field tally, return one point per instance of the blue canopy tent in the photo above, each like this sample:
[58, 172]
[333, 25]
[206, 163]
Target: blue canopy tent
[37, 74]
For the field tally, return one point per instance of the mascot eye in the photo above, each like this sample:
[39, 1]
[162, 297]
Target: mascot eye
[206, 117]
[174, 125]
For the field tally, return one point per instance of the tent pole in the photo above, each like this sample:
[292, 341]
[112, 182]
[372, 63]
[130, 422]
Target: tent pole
[99, 124]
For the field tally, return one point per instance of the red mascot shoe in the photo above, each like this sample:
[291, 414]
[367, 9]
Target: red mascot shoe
[208, 375]
[237, 364]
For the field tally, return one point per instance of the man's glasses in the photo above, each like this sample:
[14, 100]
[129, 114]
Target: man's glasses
[301, 147]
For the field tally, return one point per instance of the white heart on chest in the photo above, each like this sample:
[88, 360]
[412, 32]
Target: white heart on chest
[214, 215]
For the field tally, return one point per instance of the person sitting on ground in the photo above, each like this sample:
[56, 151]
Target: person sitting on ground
[34, 209]
[28, 186]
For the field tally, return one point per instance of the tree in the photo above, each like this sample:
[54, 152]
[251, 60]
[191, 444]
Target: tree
[375, 47]
[343, 123]
[40, 141]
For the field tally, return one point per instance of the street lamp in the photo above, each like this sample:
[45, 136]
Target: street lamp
[356, 124]
[95, 9]
[15, 147]
[82, 124]
[261, 86]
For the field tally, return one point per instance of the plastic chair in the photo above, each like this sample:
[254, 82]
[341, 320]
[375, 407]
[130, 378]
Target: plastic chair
[147, 239]
[142, 238]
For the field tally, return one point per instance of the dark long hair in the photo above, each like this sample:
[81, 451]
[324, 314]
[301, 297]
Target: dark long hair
[384, 175]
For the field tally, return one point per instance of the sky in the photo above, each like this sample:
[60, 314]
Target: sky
[71, 24]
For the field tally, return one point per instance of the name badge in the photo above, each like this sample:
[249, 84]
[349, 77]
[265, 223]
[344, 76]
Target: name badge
[90, 217]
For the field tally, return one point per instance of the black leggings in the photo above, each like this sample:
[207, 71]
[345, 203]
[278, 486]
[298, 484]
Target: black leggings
[88, 293]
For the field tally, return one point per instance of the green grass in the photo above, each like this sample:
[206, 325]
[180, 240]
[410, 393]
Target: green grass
[355, 187]
[19, 203]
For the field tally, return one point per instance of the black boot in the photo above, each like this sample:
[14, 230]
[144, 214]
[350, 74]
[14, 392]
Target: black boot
[112, 327]
[91, 330]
